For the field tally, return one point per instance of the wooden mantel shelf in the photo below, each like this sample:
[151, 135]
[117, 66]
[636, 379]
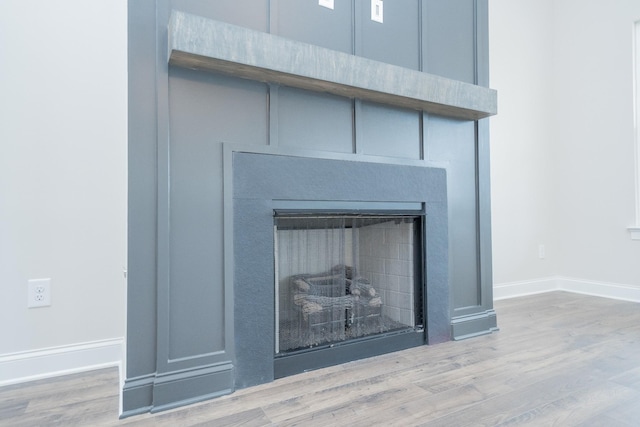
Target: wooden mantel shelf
[200, 43]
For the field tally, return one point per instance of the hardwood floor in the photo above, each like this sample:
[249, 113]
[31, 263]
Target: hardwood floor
[559, 359]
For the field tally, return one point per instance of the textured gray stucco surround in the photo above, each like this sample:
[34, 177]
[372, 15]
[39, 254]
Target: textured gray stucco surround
[259, 180]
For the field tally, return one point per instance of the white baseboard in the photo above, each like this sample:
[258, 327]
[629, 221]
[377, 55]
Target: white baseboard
[51, 362]
[567, 284]
[525, 287]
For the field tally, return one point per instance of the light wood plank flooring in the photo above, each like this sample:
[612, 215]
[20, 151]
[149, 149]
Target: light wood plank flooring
[559, 359]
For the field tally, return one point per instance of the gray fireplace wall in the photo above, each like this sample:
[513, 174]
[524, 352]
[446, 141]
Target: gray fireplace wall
[180, 336]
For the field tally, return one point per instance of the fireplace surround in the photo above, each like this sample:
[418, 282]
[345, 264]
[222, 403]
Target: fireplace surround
[242, 109]
[264, 184]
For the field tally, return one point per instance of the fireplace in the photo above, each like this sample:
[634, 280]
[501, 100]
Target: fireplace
[242, 113]
[335, 260]
[345, 277]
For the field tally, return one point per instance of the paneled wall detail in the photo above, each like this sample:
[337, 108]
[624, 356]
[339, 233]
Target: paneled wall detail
[181, 346]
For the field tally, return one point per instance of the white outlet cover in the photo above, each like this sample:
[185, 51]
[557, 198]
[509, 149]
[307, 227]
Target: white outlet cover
[326, 3]
[377, 11]
[39, 293]
[541, 252]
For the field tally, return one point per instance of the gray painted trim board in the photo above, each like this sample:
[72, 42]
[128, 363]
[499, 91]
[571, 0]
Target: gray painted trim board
[201, 43]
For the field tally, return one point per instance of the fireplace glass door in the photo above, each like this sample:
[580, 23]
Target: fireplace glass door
[345, 277]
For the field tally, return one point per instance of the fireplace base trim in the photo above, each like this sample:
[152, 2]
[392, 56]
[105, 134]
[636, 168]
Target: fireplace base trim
[160, 392]
[474, 325]
[346, 352]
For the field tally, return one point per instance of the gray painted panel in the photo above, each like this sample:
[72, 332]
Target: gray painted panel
[484, 214]
[163, 193]
[217, 108]
[450, 39]
[314, 121]
[308, 22]
[482, 43]
[484, 173]
[388, 131]
[142, 202]
[395, 41]
[247, 13]
[453, 141]
[205, 108]
[196, 249]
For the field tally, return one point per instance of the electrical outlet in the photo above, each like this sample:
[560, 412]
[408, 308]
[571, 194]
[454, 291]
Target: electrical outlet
[326, 3]
[541, 251]
[39, 293]
[377, 11]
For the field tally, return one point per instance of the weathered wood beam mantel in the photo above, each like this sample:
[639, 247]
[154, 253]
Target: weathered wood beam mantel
[200, 43]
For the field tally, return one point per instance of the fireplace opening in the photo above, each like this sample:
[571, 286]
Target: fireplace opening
[344, 278]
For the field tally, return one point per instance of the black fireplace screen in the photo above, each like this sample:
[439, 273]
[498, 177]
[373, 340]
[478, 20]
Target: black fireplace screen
[345, 277]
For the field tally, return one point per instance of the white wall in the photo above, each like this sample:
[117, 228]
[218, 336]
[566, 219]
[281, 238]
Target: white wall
[63, 173]
[563, 145]
[522, 167]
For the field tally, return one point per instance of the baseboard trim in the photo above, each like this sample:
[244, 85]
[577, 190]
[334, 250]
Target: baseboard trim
[137, 395]
[600, 289]
[63, 360]
[580, 286]
[524, 288]
[160, 392]
[175, 389]
[473, 325]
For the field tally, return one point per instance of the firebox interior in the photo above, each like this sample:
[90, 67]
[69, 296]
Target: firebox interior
[343, 277]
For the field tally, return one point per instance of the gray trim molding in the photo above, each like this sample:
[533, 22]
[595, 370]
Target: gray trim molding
[169, 390]
[179, 388]
[473, 325]
[137, 395]
[201, 43]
